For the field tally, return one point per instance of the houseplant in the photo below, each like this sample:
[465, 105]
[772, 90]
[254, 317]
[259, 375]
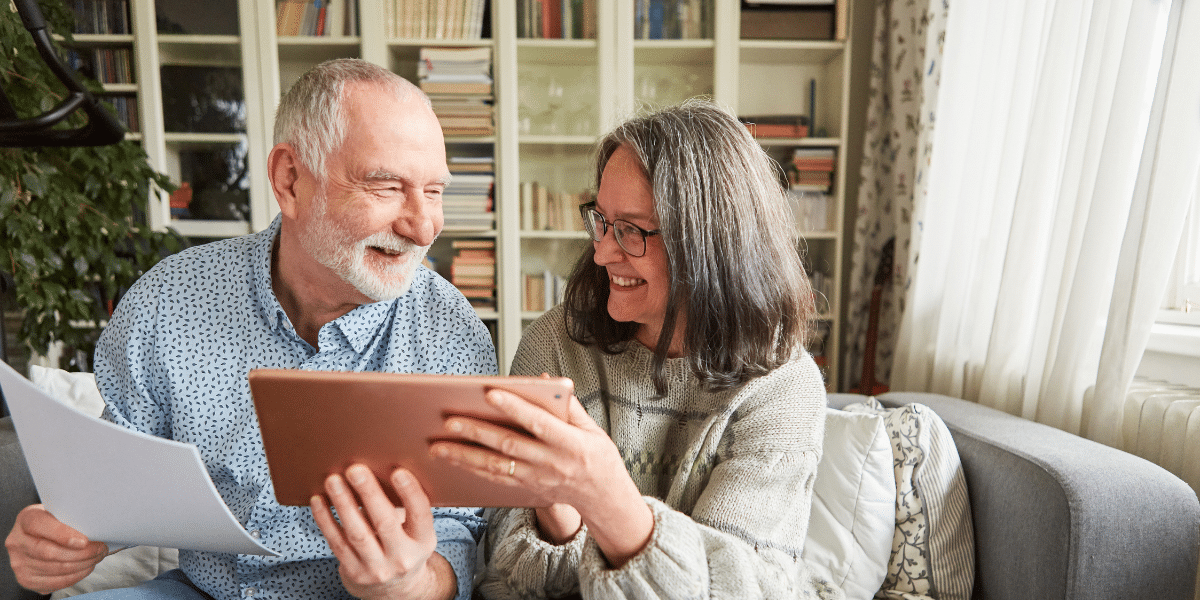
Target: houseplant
[72, 218]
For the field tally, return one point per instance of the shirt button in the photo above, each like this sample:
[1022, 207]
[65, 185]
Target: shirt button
[255, 534]
[250, 592]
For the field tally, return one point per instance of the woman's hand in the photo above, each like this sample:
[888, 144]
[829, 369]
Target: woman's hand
[571, 462]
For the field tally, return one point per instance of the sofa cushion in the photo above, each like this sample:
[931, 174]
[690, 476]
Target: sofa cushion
[933, 546]
[850, 527]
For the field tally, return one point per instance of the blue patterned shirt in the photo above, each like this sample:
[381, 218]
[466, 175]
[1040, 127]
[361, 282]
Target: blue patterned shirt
[173, 363]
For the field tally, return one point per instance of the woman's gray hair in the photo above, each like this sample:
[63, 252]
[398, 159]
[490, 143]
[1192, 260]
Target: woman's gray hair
[737, 282]
[311, 116]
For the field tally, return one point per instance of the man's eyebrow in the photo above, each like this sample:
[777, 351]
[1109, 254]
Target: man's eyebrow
[385, 175]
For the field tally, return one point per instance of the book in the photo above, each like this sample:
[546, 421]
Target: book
[777, 126]
[456, 87]
[788, 21]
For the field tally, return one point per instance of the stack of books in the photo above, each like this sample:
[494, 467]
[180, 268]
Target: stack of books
[473, 271]
[459, 83]
[468, 202]
[811, 170]
[435, 19]
[542, 209]
[543, 291]
[316, 18]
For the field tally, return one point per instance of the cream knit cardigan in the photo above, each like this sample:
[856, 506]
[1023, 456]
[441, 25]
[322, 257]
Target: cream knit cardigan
[728, 476]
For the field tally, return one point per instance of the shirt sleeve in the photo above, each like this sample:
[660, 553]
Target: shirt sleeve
[126, 373]
[458, 533]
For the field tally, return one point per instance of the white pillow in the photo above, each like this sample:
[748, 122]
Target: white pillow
[127, 567]
[933, 553]
[73, 389]
[854, 505]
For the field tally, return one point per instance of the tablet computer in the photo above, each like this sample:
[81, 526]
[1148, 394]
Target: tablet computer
[315, 423]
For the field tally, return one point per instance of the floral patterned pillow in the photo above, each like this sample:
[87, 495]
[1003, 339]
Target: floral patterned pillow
[933, 548]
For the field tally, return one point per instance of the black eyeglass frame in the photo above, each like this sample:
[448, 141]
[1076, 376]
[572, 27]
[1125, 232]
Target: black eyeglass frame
[590, 226]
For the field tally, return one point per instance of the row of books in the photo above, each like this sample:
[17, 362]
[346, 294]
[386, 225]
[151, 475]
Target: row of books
[556, 19]
[542, 209]
[473, 271]
[316, 18]
[435, 19]
[542, 291]
[811, 169]
[811, 209]
[126, 109]
[672, 19]
[459, 84]
[106, 65]
[822, 285]
[101, 16]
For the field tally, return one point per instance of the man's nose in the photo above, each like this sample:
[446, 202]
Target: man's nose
[421, 220]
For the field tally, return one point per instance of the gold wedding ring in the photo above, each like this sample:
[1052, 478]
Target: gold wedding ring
[512, 467]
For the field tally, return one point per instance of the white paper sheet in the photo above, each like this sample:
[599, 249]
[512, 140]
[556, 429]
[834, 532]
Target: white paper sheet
[116, 485]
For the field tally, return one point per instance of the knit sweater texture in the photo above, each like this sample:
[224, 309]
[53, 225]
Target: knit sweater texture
[728, 476]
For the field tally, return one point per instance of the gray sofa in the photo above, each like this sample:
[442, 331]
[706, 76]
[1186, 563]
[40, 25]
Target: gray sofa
[1056, 516]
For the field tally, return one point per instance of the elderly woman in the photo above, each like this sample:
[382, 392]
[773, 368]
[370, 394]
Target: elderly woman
[685, 468]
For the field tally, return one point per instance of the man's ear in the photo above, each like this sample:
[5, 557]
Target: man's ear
[284, 169]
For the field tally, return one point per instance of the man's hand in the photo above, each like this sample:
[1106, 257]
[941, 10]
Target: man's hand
[385, 551]
[47, 555]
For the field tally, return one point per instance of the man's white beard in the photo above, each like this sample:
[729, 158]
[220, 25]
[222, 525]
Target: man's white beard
[331, 245]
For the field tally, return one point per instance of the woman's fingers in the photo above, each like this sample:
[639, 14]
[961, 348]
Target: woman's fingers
[529, 416]
[483, 462]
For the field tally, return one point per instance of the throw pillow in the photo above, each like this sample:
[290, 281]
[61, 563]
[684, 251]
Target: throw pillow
[933, 554]
[850, 527]
[73, 389]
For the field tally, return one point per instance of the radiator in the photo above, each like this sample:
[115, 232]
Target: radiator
[1162, 425]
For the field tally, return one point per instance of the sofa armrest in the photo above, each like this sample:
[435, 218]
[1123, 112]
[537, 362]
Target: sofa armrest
[1060, 516]
[18, 492]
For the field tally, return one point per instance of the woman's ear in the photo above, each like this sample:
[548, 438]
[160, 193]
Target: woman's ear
[284, 170]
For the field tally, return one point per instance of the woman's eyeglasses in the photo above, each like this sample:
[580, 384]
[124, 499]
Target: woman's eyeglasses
[630, 237]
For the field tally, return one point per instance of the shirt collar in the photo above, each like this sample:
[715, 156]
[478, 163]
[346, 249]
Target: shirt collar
[262, 250]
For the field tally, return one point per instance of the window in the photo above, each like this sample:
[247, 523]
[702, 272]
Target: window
[1183, 291]
[1173, 350]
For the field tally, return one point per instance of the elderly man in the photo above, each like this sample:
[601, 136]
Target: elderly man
[335, 283]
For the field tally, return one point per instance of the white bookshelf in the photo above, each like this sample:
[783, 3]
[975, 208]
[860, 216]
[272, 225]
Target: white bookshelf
[553, 98]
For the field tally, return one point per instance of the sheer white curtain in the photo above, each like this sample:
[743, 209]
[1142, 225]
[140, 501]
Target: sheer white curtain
[1068, 137]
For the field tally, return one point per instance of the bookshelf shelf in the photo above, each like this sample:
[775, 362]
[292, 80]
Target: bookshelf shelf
[195, 139]
[338, 41]
[202, 228]
[551, 98]
[119, 88]
[99, 38]
[553, 235]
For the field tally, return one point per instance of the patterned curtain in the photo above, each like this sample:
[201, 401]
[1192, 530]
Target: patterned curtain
[905, 73]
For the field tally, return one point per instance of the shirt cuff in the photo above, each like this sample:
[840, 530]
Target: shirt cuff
[458, 545]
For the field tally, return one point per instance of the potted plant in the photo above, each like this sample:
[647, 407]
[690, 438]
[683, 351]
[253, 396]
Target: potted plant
[72, 218]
